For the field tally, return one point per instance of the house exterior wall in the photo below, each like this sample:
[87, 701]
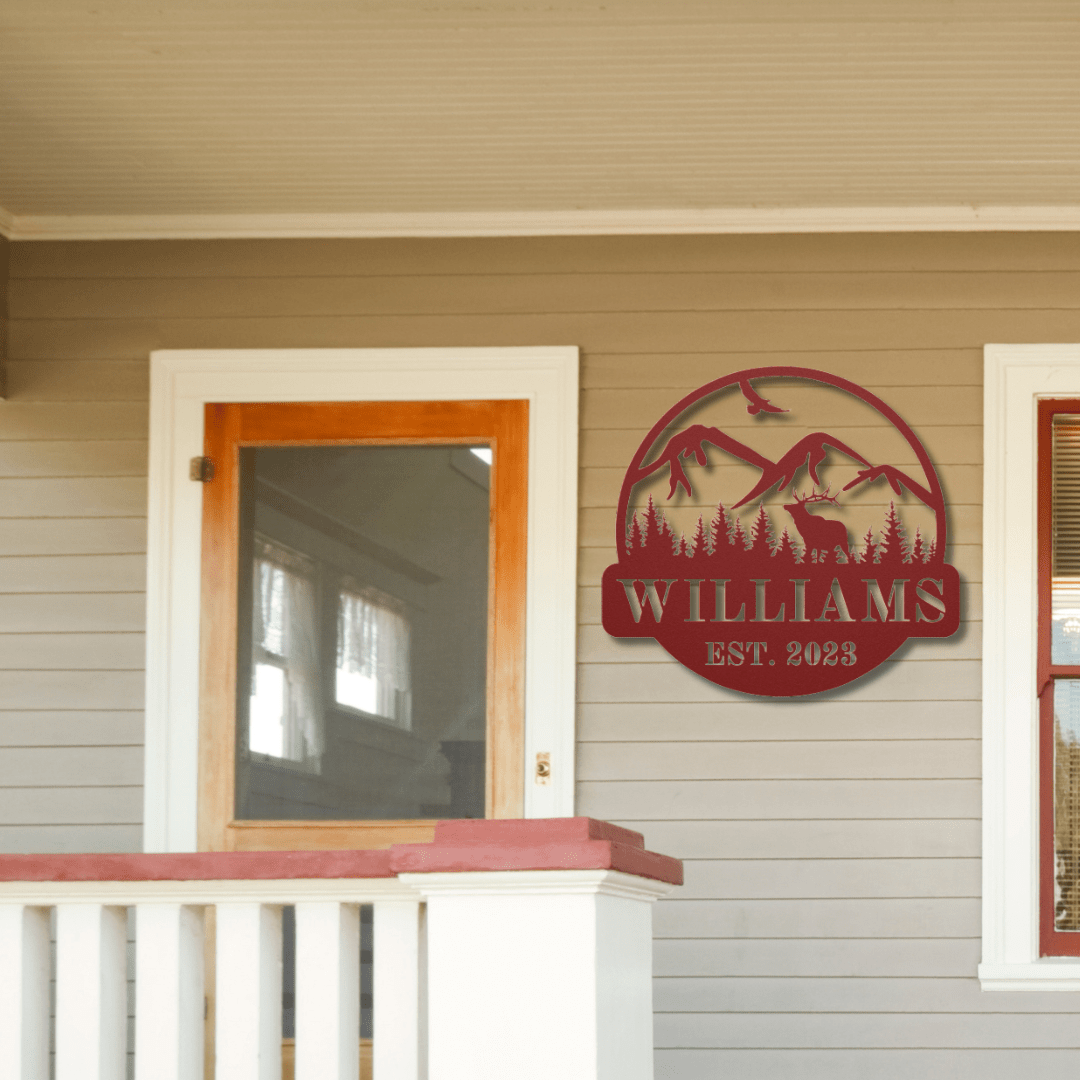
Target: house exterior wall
[829, 926]
[5, 248]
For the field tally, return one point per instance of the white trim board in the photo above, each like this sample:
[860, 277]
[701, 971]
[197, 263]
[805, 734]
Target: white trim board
[629, 222]
[183, 381]
[1016, 376]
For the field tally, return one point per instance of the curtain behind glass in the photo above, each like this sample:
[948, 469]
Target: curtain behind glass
[285, 629]
[373, 670]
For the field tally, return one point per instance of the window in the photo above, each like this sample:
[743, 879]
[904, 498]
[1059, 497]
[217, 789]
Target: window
[372, 676]
[372, 673]
[183, 382]
[1030, 660]
[1059, 677]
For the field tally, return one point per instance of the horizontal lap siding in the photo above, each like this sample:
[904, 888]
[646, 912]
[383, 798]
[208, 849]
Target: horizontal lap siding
[829, 926]
[847, 1063]
[72, 602]
[5, 252]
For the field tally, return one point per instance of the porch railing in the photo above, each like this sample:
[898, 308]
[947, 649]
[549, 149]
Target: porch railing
[501, 949]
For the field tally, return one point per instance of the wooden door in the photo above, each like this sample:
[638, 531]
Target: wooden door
[233, 431]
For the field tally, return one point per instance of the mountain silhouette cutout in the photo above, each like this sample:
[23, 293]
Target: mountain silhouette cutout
[897, 479]
[692, 441]
[810, 452]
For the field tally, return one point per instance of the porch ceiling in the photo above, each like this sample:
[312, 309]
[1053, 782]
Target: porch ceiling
[218, 116]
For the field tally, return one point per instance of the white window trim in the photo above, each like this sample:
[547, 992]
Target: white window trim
[1016, 376]
[183, 381]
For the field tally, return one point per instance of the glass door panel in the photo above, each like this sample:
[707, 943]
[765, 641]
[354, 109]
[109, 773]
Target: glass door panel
[362, 632]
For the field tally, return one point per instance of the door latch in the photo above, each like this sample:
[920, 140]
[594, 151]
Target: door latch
[543, 767]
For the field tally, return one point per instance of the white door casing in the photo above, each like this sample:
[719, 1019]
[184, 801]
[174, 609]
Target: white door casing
[183, 381]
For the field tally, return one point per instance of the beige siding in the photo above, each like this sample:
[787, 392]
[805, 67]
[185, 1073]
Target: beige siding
[72, 579]
[5, 259]
[830, 922]
[5, 250]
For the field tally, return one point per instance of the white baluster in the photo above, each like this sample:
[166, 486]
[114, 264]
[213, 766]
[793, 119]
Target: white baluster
[91, 992]
[168, 992]
[396, 991]
[24, 992]
[327, 991]
[248, 1029]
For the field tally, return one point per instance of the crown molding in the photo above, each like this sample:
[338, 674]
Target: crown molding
[841, 219]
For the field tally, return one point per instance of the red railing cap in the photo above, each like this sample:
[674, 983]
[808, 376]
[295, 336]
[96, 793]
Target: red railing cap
[532, 831]
[198, 866]
[460, 846]
[534, 844]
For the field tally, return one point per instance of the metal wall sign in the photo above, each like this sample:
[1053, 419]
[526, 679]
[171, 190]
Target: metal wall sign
[781, 531]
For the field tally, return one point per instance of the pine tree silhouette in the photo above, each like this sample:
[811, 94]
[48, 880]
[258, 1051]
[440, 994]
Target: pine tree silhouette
[696, 546]
[892, 549]
[634, 538]
[918, 553]
[761, 532]
[719, 530]
[786, 551]
[672, 537]
[869, 551]
[738, 537]
[931, 550]
[654, 529]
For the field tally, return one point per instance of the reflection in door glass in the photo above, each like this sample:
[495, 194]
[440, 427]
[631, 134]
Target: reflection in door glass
[373, 644]
[284, 707]
[362, 632]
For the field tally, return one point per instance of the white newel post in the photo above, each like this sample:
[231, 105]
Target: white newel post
[169, 992]
[24, 992]
[327, 991]
[396, 990]
[91, 992]
[248, 1004]
[539, 974]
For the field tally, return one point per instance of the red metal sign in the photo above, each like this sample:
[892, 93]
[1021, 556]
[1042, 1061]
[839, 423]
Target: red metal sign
[781, 531]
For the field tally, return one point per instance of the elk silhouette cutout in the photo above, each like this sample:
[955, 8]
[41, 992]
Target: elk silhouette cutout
[821, 534]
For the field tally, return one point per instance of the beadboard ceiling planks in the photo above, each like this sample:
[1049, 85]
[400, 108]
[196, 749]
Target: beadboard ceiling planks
[263, 117]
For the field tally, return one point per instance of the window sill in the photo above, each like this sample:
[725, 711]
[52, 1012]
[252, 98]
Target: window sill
[1051, 973]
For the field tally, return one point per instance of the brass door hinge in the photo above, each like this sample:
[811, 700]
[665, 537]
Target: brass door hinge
[202, 469]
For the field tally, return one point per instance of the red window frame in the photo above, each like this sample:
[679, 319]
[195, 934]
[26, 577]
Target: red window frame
[1052, 942]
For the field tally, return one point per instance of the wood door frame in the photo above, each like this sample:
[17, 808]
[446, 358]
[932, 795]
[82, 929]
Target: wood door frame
[504, 425]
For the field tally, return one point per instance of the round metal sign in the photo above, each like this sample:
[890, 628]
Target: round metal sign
[781, 531]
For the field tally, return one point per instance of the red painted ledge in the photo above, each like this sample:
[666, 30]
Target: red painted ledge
[535, 844]
[198, 866]
[459, 847]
